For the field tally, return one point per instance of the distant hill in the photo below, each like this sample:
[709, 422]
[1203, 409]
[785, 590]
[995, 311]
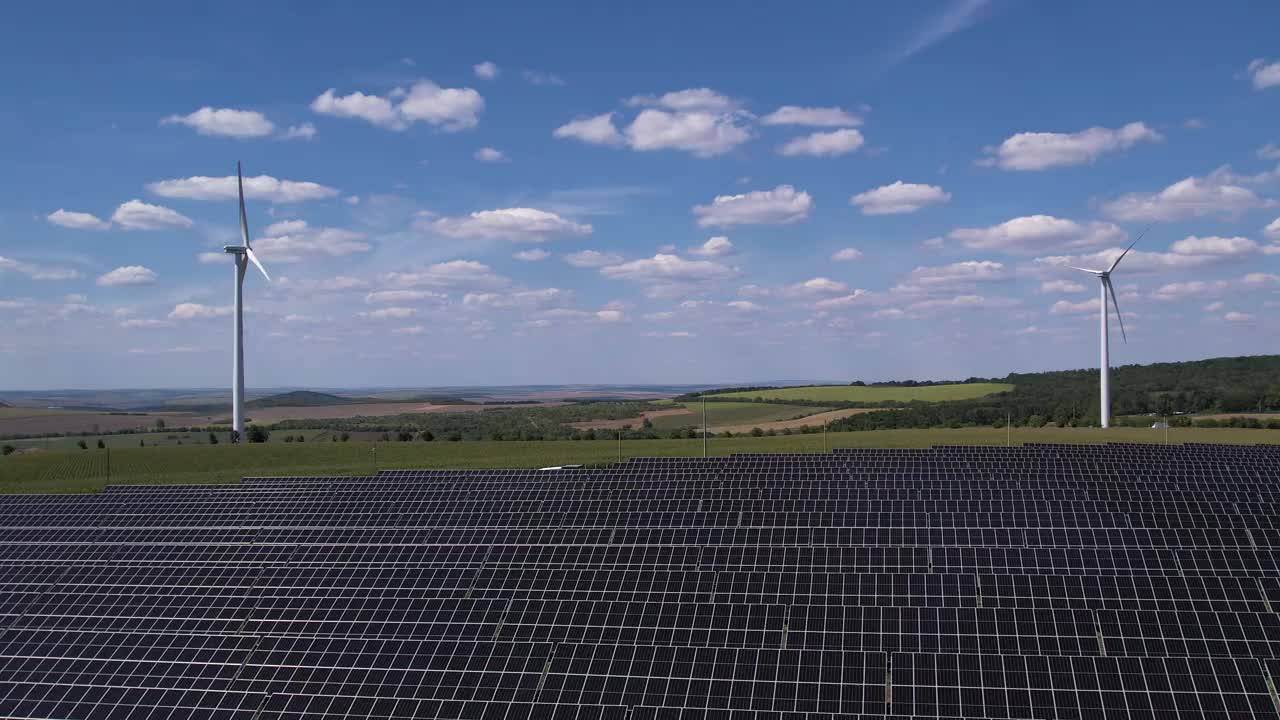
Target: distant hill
[4, 404]
[304, 398]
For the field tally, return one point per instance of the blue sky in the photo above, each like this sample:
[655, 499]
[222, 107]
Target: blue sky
[563, 192]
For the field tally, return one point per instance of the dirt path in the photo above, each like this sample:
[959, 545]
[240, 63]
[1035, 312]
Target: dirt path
[634, 422]
[815, 420]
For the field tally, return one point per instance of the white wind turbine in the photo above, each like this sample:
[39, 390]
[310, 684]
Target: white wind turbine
[243, 256]
[1104, 277]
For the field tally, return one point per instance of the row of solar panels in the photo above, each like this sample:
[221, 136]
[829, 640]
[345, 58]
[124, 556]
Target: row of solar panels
[241, 673]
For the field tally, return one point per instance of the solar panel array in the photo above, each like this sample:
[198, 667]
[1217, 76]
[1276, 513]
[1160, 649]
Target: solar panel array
[1042, 581]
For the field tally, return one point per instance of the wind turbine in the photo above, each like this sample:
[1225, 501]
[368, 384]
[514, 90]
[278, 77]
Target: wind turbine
[243, 256]
[1104, 278]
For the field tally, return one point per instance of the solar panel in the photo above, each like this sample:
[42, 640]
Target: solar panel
[1042, 581]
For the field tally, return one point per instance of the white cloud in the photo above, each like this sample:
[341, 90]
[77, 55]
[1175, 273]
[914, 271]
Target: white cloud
[211, 258]
[77, 220]
[352, 199]
[1264, 74]
[1092, 305]
[538, 77]
[37, 272]
[846, 255]
[1218, 193]
[702, 133]
[404, 296]
[338, 283]
[532, 255]
[592, 259]
[292, 240]
[261, 187]
[857, 297]
[1193, 288]
[956, 276]
[1272, 230]
[688, 100]
[224, 122]
[959, 303]
[824, 144]
[305, 131]
[390, 313]
[194, 311]
[1258, 279]
[811, 116]
[1192, 245]
[597, 130]
[1234, 316]
[449, 109]
[1270, 151]
[815, 286]
[297, 319]
[1058, 286]
[490, 155]
[745, 306]
[487, 70]
[518, 224]
[410, 330]
[669, 275]
[1037, 233]
[899, 197]
[452, 274]
[1214, 306]
[1043, 150]
[779, 206]
[128, 275]
[144, 323]
[610, 316]
[718, 246]
[137, 215]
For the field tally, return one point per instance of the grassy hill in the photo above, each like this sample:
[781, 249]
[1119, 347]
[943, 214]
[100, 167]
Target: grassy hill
[873, 393]
[303, 398]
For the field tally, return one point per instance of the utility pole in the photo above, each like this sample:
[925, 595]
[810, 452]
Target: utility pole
[704, 426]
[824, 437]
[108, 466]
[375, 457]
[1008, 429]
[619, 445]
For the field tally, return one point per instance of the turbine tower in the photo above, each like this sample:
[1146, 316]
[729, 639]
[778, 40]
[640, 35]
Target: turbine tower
[243, 256]
[1104, 278]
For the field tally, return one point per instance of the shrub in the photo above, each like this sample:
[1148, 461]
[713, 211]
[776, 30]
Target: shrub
[346, 437]
[424, 436]
[7, 450]
[101, 445]
[404, 436]
[288, 438]
[257, 434]
[82, 445]
[213, 438]
[756, 432]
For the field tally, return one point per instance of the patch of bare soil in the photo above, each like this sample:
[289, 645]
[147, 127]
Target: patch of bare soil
[816, 420]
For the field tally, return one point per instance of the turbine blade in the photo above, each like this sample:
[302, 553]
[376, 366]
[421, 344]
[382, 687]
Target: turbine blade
[1085, 270]
[244, 219]
[254, 259]
[1116, 304]
[1126, 250]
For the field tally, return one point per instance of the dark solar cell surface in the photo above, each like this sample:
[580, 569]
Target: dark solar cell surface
[1044, 581]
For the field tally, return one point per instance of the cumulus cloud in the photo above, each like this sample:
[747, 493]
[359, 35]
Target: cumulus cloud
[37, 272]
[691, 99]
[532, 255]
[293, 240]
[1235, 316]
[452, 274]
[824, 144]
[1270, 151]
[305, 131]
[410, 330]
[1192, 245]
[224, 122]
[1137, 261]
[1272, 230]
[597, 130]
[1061, 286]
[518, 224]
[144, 323]
[1264, 73]
[211, 258]
[592, 259]
[490, 155]
[261, 187]
[390, 313]
[128, 275]
[336, 284]
[1258, 279]
[77, 220]
[1043, 150]
[745, 306]
[812, 117]
[951, 278]
[1193, 288]
[487, 70]
[449, 109]
[1037, 233]
[1066, 307]
[718, 246]
[959, 303]
[669, 275]
[815, 286]
[780, 206]
[404, 296]
[196, 311]
[137, 215]
[857, 297]
[1218, 193]
[846, 255]
[1214, 306]
[899, 197]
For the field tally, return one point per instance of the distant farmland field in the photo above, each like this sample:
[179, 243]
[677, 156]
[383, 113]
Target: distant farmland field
[88, 470]
[858, 393]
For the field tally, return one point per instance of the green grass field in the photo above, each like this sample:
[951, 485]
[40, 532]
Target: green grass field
[88, 470]
[854, 393]
[720, 414]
